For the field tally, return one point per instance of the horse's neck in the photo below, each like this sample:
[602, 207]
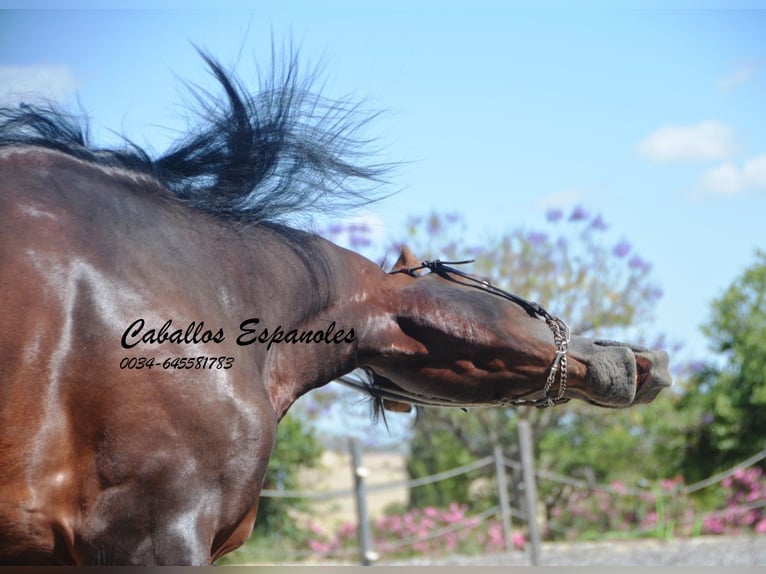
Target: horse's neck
[317, 294]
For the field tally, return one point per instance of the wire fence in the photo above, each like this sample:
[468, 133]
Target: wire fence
[368, 554]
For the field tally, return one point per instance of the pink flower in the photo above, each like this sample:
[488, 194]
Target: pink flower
[318, 546]
[496, 537]
[427, 523]
[409, 524]
[451, 541]
[713, 525]
[760, 528]
[456, 513]
[619, 486]
[473, 522]
[348, 530]
[518, 540]
[395, 524]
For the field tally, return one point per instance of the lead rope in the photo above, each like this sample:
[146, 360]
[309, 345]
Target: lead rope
[558, 327]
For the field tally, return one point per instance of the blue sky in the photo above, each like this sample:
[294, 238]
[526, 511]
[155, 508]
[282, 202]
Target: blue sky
[653, 118]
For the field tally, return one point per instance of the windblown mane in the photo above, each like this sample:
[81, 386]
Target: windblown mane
[254, 157]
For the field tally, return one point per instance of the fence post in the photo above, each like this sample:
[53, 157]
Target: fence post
[502, 493]
[530, 488]
[366, 553]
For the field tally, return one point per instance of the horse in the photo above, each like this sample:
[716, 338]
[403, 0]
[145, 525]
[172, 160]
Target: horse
[160, 316]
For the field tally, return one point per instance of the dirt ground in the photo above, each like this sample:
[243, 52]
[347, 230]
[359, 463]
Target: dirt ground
[746, 550]
[334, 473]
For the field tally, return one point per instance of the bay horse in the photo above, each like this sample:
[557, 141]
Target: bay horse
[159, 318]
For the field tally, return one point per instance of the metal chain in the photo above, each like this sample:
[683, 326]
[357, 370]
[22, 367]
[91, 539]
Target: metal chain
[561, 339]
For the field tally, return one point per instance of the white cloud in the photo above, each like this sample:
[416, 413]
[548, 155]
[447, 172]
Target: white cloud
[23, 83]
[728, 179]
[707, 141]
[739, 76]
[755, 173]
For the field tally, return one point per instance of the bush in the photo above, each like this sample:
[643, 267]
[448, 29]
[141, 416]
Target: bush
[664, 511]
[419, 532]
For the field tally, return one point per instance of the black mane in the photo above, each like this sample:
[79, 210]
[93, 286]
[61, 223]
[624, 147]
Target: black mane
[254, 157]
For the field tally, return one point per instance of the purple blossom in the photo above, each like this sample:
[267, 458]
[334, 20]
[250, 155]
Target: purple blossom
[434, 224]
[554, 215]
[475, 252]
[359, 242]
[696, 367]
[639, 264]
[578, 214]
[621, 249]
[537, 238]
[599, 224]
[655, 293]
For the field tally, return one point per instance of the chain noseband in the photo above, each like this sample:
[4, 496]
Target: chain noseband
[558, 327]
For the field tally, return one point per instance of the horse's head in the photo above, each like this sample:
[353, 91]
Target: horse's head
[449, 339]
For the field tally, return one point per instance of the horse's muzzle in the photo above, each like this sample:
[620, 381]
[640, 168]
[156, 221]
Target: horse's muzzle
[618, 374]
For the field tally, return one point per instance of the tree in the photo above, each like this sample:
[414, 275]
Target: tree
[729, 401]
[601, 287]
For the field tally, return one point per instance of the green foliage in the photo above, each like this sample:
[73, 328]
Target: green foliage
[296, 447]
[447, 438]
[729, 401]
[434, 452]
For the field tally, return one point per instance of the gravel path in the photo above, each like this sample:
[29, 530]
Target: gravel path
[702, 551]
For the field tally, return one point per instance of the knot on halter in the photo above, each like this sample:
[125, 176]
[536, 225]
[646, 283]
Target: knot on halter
[557, 326]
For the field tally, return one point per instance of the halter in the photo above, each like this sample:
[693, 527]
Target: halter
[558, 327]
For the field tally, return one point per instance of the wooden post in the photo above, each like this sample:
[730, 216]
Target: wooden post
[530, 488]
[502, 494]
[366, 553]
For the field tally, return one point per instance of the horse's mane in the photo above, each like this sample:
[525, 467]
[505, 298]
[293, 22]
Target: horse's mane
[254, 157]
